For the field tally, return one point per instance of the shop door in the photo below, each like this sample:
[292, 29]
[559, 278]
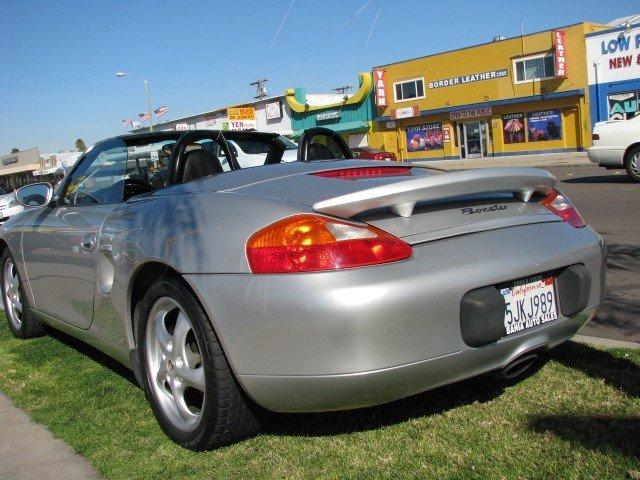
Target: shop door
[473, 140]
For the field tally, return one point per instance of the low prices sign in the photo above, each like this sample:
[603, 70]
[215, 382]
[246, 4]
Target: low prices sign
[241, 118]
[380, 87]
[560, 57]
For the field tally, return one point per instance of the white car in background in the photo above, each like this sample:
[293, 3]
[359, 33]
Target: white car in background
[253, 154]
[616, 144]
[9, 206]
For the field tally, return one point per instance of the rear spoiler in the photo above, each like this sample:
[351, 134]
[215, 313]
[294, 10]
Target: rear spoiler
[401, 197]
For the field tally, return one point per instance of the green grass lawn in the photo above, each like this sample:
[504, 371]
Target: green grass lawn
[578, 417]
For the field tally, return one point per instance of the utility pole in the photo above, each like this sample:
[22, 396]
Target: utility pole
[261, 88]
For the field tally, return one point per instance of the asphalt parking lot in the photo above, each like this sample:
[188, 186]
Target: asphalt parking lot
[609, 202]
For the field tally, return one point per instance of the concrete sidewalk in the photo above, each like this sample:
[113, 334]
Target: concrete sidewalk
[540, 160]
[29, 451]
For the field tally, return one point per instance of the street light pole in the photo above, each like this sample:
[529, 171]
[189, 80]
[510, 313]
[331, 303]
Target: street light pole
[146, 86]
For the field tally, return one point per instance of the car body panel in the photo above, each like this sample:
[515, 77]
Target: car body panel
[615, 137]
[61, 273]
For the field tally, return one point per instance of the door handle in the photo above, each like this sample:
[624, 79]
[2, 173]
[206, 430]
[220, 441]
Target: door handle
[88, 243]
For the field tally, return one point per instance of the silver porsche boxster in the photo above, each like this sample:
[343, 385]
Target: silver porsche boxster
[322, 284]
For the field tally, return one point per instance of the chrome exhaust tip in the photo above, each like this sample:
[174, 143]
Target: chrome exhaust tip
[519, 366]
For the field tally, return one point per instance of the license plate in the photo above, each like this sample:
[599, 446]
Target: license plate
[529, 302]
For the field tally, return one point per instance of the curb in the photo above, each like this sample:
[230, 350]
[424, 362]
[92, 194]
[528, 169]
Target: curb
[605, 342]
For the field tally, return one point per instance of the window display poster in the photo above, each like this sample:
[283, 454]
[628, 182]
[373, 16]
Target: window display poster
[623, 106]
[427, 136]
[544, 125]
[513, 127]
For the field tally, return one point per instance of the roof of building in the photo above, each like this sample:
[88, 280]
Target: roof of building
[487, 43]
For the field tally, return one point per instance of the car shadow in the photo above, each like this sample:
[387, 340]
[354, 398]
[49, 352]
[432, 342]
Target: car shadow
[34, 357]
[476, 390]
[610, 178]
[617, 372]
[601, 433]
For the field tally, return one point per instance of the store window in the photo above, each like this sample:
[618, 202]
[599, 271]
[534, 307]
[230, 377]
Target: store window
[409, 89]
[623, 106]
[532, 68]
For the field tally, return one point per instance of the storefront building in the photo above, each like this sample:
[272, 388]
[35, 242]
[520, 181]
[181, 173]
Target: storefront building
[265, 115]
[613, 65]
[16, 169]
[520, 95]
[349, 115]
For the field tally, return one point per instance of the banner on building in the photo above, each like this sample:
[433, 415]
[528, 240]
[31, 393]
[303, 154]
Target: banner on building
[544, 125]
[428, 136]
[513, 128]
[405, 112]
[273, 110]
[380, 88]
[182, 127]
[241, 118]
[470, 113]
[560, 57]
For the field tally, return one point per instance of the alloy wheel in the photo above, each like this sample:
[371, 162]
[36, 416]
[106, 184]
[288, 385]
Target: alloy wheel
[634, 164]
[174, 364]
[12, 293]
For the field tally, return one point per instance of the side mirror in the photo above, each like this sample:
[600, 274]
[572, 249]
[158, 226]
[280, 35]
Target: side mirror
[34, 195]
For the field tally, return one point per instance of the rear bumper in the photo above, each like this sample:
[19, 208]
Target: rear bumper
[307, 393]
[337, 340]
[607, 156]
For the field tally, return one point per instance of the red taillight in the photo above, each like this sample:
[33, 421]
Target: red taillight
[311, 243]
[559, 204]
[365, 172]
[377, 156]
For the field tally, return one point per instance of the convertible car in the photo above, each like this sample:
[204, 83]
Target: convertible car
[326, 283]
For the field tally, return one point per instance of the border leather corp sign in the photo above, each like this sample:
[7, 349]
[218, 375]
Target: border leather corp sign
[380, 88]
[560, 57]
[464, 79]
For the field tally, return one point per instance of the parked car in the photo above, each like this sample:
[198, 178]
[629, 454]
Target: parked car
[323, 284]
[370, 153]
[253, 154]
[616, 144]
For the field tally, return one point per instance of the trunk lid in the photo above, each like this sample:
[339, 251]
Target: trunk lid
[424, 205]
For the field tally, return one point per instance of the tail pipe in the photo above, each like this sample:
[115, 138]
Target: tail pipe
[523, 362]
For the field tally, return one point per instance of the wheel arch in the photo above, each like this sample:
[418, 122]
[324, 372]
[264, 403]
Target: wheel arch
[628, 150]
[141, 279]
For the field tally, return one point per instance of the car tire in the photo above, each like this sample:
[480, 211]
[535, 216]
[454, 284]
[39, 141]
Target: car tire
[632, 164]
[187, 379]
[20, 318]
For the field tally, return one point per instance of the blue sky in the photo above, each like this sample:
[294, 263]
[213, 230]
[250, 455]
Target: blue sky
[58, 58]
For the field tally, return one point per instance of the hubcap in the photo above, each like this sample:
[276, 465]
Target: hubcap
[12, 294]
[174, 364]
[635, 164]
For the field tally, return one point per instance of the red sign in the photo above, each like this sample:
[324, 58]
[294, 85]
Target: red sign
[560, 57]
[379, 87]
